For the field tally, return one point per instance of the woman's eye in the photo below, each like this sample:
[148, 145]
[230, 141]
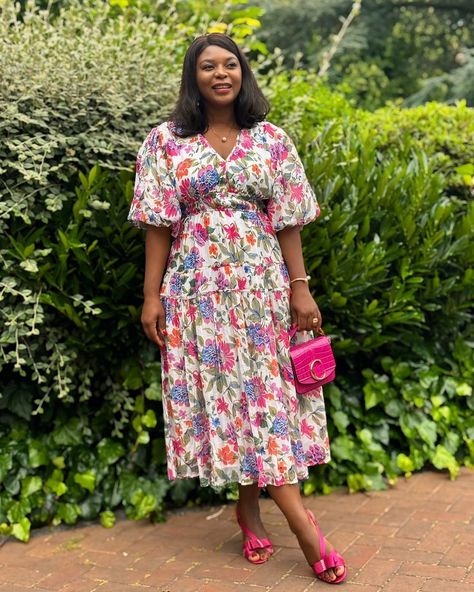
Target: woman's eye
[232, 65]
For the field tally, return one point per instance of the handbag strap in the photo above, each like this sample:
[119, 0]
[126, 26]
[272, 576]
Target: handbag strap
[294, 328]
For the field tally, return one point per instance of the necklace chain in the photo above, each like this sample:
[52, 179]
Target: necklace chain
[223, 139]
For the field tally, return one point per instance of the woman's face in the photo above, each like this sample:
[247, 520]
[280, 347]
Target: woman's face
[218, 76]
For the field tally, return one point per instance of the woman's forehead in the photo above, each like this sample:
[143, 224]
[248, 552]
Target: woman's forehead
[215, 53]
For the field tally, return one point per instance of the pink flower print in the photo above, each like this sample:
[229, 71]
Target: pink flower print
[227, 357]
[297, 192]
[260, 465]
[279, 152]
[222, 405]
[280, 480]
[200, 234]
[185, 187]
[242, 283]
[237, 153]
[231, 434]
[269, 129]
[192, 310]
[231, 231]
[192, 349]
[197, 378]
[200, 280]
[246, 141]
[234, 321]
[307, 429]
[178, 448]
[204, 453]
[171, 148]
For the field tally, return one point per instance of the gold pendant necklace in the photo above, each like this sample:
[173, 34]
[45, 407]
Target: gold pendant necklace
[223, 139]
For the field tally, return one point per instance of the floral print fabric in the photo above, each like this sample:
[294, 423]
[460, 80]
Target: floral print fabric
[230, 408]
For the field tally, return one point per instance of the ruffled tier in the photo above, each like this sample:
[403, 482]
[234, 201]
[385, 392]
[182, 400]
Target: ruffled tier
[230, 408]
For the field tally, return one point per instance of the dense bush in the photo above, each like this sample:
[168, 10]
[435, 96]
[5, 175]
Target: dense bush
[80, 423]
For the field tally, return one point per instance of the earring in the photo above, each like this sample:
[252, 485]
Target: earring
[198, 103]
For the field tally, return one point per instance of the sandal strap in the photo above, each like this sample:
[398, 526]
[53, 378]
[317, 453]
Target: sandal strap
[253, 543]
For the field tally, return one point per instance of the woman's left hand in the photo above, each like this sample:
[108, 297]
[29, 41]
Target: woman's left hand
[303, 308]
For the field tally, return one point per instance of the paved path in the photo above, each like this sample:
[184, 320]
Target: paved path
[419, 536]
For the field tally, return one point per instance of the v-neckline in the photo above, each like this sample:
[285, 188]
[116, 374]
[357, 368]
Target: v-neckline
[211, 147]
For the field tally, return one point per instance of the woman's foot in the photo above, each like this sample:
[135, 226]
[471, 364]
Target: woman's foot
[308, 538]
[250, 517]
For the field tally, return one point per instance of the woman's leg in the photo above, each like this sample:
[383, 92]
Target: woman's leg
[249, 511]
[288, 499]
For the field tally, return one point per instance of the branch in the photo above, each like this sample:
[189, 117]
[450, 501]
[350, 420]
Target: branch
[329, 54]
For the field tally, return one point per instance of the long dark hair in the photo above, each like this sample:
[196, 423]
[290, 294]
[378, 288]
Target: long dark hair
[189, 115]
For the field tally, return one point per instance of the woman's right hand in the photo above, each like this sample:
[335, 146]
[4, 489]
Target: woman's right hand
[153, 320]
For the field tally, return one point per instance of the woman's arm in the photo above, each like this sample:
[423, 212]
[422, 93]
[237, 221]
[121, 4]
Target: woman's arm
[302, 305]
[157, 248]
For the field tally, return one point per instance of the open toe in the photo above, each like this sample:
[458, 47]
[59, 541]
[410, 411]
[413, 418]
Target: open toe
[328, 568]
[252, 544]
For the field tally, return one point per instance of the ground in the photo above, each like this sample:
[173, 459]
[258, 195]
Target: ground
[417, 536]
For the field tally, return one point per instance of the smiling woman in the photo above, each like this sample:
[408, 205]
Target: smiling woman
[230, 190]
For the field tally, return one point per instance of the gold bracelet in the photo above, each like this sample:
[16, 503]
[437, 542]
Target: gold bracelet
[304, 279]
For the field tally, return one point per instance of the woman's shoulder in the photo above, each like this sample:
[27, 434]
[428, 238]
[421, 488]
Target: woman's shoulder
[159, 135]
[272, 131]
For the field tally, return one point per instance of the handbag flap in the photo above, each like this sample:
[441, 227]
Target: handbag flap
[315, 354]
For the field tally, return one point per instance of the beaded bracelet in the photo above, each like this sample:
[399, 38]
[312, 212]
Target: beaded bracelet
[304, 279]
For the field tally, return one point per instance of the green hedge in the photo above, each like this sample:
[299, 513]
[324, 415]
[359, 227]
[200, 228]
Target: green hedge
[81, 429]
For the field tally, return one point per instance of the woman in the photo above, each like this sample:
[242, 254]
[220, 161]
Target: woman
[223, 196]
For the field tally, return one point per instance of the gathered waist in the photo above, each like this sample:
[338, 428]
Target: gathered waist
[201, 209]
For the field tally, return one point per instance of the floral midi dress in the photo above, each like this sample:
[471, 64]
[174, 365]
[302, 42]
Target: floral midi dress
[231, 412]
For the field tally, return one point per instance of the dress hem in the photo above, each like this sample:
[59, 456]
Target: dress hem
[221, 486]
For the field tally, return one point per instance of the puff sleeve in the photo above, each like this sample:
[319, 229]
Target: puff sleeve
[155, 198]
[292, 201]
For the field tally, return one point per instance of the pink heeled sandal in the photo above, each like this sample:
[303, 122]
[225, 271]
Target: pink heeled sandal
[328, 560]
[250, 546]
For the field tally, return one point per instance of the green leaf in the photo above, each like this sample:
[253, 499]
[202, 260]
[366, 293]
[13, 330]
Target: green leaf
[463, 389]
[143, 438]
[110, 451]
[6, 464]
[86, 480]
[107, 519]
[427, 431]
[341, 420]
[31, 485]
[68, 512]
[405, 463]
[149, 419]
[21, 530]
[37, 454]
[70, 433]
[153, 392]
[443, 459]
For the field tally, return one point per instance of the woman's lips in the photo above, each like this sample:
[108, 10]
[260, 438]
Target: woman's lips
[222, 90]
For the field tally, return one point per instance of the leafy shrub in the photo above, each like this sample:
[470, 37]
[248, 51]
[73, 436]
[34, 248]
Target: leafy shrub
[442, 131]
[392, 260]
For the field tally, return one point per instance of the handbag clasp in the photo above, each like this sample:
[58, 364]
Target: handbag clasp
[313, 372]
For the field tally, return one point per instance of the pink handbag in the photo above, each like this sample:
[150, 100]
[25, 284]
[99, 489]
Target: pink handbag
[313, 362]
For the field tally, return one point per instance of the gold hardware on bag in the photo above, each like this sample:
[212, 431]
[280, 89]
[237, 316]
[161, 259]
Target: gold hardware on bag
[313, 374]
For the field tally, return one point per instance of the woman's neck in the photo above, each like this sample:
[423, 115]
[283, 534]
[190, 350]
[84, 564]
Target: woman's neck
[221, 117]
